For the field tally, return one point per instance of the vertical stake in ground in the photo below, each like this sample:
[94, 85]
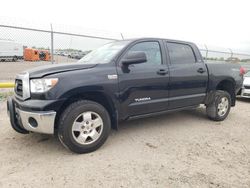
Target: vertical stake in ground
[52, 44]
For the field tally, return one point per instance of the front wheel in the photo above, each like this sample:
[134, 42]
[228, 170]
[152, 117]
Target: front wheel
[84, 126]
[219, 109]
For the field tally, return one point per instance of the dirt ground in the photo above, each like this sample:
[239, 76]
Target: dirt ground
[182, 149]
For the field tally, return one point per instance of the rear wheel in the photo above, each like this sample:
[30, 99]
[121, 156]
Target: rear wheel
[219, 109]
[84, 126]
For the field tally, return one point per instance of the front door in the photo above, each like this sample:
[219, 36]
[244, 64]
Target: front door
[143, 87]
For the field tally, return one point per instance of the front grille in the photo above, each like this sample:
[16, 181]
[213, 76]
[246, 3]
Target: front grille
[19, 87]
[247, 87]
[22, 87]
[246, 94]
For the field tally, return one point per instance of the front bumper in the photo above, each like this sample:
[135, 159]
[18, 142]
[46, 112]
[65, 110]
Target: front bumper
[25, 121]
[245, 93]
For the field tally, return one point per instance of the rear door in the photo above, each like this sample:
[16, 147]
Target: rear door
[144, 87]
[188, 76]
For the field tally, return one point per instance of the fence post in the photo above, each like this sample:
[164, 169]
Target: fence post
[122, 36]
[52, 44]
[206, 51]
[231, 52]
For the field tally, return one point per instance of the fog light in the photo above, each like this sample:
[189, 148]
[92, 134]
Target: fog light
[33, 122]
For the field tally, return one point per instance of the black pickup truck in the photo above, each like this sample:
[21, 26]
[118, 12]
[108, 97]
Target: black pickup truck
[119, 81]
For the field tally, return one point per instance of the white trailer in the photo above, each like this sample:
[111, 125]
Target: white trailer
[10, 50]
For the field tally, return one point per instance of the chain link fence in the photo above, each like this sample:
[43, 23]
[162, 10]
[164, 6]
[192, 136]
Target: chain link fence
[51, 45]
[40, 45]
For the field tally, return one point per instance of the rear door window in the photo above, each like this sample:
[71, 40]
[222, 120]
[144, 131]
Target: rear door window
[180, 53]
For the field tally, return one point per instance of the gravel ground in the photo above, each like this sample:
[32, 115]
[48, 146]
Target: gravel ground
[182, 149]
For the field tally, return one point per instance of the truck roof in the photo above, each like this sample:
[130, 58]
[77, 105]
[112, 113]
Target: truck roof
[155, 38]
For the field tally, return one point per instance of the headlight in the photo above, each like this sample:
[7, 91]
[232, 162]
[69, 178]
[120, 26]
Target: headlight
[42, 85]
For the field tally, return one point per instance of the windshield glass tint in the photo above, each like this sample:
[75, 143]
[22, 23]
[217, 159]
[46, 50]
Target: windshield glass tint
[104, 54]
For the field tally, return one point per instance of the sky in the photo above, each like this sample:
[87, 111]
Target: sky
[217, 23]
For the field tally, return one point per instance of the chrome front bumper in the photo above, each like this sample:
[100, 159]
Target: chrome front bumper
[41, 122]
[30, 121]
[245, 93]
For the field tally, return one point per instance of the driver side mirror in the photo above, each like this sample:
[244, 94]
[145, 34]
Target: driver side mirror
[134, 58]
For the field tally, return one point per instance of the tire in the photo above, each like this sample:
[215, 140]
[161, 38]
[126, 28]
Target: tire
[14, 59]
[216, 110]
[84, 126]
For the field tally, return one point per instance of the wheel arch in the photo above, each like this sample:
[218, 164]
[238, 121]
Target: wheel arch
[227, 85]
[96, 96]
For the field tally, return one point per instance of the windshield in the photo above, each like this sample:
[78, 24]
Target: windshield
[247, 74]
[104, 54]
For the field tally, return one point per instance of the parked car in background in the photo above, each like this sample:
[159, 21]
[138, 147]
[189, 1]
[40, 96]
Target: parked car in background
[64, 54]
[73, 55]
[10, 50]
[246, 66]
[233, 60]
[77, 55]
[57, 53]
[80, 55]
[245, 91]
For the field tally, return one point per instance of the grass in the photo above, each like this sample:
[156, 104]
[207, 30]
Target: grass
[5, 95]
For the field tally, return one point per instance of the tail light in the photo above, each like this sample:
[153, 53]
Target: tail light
[242, 71]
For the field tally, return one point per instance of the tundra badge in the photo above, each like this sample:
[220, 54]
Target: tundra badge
[143, 99]
[112, 76]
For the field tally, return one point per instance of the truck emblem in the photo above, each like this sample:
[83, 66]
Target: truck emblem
[112, 76]
[143, 99]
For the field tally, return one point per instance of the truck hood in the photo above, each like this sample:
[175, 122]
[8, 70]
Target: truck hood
[42, 71]
[246, 81]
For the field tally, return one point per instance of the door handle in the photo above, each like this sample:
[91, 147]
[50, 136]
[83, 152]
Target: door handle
[201, 70]
[162, 72]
